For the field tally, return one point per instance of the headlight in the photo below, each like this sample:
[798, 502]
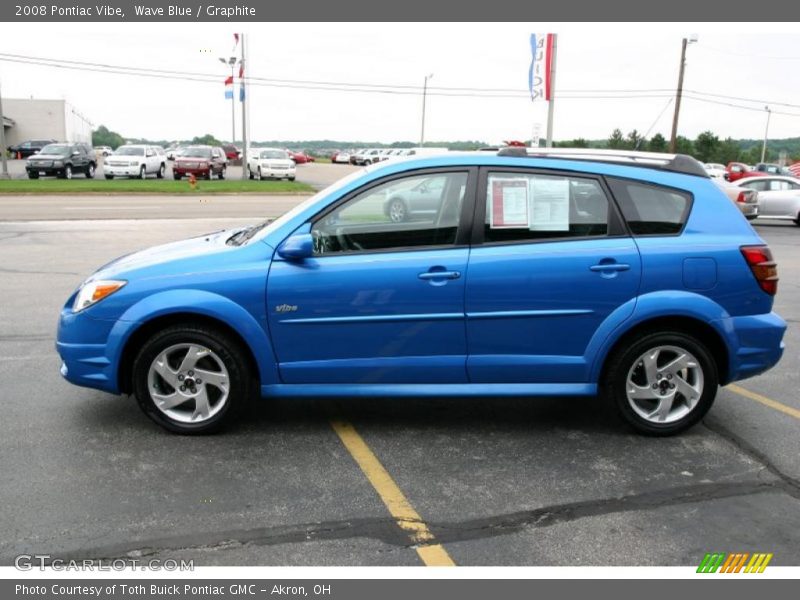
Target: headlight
[94, 291]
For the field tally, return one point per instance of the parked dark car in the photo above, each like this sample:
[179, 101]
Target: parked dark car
[62, 160]
[26, 149]
[200, 161]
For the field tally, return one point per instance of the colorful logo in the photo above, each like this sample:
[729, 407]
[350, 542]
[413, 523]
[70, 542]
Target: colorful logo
[734, 562]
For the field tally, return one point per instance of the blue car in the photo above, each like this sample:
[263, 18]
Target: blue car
[538, 273]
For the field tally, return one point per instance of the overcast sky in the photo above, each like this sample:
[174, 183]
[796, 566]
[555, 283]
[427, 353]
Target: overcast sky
[754, 61]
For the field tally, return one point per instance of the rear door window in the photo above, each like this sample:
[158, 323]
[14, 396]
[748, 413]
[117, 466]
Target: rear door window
[651, 209]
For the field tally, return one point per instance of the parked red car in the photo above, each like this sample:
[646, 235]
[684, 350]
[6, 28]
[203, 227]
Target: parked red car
[299, 157]
[737, 170]
[200, 161]
[231, 152]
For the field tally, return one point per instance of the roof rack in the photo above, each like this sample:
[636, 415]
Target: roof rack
[677, 163]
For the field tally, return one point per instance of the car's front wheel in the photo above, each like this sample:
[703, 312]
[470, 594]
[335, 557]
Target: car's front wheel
[33, 175]
[662, 383]
[222, 173]
[162, 170]
[142, 172]
[191, 379]
[397, 211]
[90, 171]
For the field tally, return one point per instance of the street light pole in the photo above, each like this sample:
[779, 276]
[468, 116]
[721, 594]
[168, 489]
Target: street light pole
[4, 172]
[424, 96]
[766, 133]
[673, 140]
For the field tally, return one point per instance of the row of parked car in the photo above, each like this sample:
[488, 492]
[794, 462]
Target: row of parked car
[369, 156]
[765, 190]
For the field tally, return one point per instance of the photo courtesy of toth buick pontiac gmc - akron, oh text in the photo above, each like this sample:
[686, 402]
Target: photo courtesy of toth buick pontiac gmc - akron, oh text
[552, 272]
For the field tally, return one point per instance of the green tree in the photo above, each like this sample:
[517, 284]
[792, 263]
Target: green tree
[706, 146]
[616, 141]
[634, 141]
[206, 140]
[684, 146]
[727, 151]
[657, 143]
[102, 136]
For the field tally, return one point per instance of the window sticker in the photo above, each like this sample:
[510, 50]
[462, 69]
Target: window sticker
[549, 204]
[508, 208]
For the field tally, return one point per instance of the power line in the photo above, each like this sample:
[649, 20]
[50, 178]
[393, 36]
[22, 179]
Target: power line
[740, 106]
[747, 54]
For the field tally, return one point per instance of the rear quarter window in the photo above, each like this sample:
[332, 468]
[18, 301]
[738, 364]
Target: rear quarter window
[651, 209]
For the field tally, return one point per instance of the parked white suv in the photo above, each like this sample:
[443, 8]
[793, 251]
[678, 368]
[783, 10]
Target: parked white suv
[135, 160]
[270, 162]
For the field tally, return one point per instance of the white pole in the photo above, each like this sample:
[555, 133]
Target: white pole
[766, 133]
[4, 173]
[244, 112]
[551, 104]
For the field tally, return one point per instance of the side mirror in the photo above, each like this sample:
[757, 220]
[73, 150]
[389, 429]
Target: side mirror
[297, 247]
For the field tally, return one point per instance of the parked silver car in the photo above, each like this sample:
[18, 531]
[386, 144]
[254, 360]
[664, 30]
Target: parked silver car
[745, 199]
[778, 196]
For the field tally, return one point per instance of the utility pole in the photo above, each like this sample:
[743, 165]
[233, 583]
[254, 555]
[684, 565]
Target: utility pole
[424, 96]
[243, 96]
[766, 133]
[4, 172]
[552, 101]
[673, 140]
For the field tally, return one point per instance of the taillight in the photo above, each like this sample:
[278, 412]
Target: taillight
[764, 268]
[741, 198]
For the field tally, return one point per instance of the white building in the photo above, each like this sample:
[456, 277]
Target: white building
[27, 119]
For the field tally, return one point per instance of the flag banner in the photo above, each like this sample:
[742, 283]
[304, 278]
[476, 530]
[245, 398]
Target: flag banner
[540, 69]
[229, 87]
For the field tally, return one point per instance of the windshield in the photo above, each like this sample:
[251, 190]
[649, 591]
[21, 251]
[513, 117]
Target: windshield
[273, 154]
[59, 149]
[331, 189]
[130, 151]
[197, 152]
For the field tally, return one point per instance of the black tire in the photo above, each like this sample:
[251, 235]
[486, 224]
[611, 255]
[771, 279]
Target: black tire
[623, 362]
[224, 346]
[397, 211]
[797, 220]
[162, 170]
[142, 172]
[291, 178]
[222, 173]
[67, 172]
[109, 177]
[176, 175]
[260, 176]
[89, 171]
[208, 174]
[250, 173]
[32, 175]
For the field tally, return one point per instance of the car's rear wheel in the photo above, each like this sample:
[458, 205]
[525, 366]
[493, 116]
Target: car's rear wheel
[397, 211]
[191, 379]
[662, 383]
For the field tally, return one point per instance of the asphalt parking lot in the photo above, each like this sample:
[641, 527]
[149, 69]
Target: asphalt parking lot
[369, 481]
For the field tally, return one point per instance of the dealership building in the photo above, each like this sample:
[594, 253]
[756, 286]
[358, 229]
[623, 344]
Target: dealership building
[28, 119]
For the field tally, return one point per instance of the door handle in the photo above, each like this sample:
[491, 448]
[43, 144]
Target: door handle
[610, 267]
[440, 275]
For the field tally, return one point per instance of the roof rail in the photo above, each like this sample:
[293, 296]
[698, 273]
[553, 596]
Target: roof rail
[678, 163]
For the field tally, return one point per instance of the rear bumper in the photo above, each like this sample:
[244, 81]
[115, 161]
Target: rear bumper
[756, 344]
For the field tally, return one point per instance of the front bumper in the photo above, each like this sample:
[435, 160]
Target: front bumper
[183, 171]
[131, 171]
[46, 171]
[82, 344]
[277, 173]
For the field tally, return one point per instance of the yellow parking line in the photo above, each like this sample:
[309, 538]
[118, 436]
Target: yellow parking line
[431, 553]
[792, 412]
